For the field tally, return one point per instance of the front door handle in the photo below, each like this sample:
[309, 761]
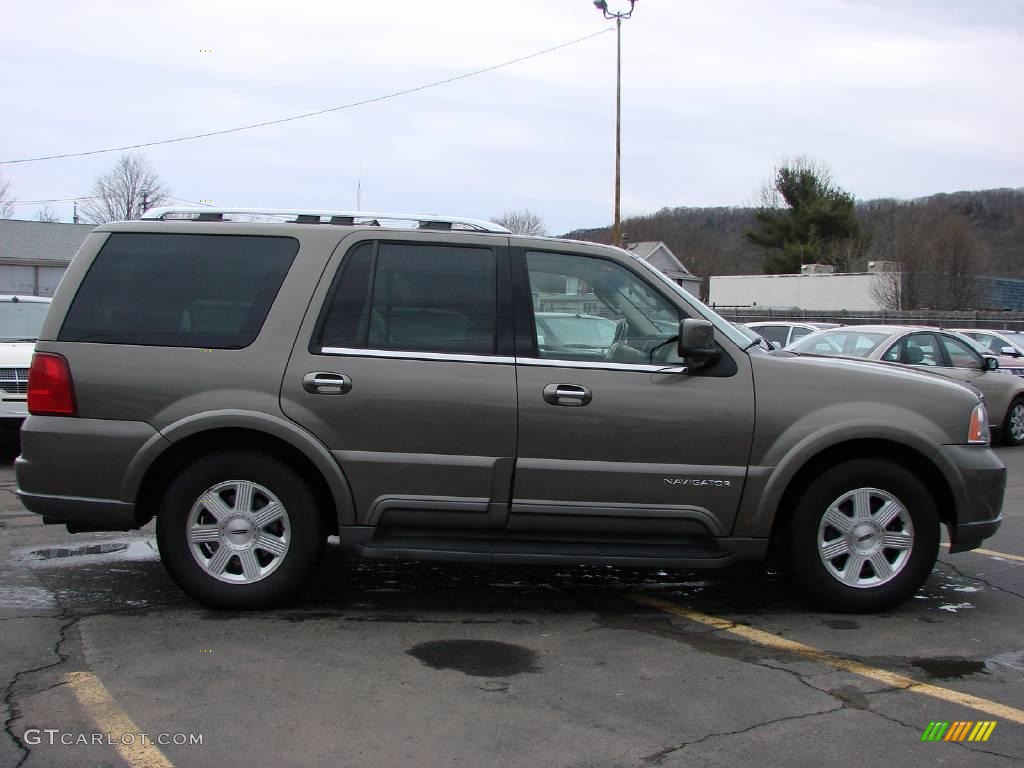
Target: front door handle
[326, 383]
[567, 394]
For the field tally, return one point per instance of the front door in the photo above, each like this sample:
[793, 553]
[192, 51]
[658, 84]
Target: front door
[404, 369]
[613, 437]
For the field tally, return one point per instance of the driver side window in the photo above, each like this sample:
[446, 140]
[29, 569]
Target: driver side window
[593, 309]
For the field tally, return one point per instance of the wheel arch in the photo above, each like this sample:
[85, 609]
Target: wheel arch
[151, 470]
[865, 448]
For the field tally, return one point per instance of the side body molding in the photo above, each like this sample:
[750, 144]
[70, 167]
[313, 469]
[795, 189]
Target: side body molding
[274, 426]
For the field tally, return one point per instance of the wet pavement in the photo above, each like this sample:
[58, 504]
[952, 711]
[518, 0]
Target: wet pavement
[428, 664]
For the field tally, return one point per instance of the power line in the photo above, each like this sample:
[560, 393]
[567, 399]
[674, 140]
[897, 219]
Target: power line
[311, 114]
[53, 200]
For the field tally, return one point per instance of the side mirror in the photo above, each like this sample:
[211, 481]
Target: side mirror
[697, 339]
[1009, 352]
[990, 364]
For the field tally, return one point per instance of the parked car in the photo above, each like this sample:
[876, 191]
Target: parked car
[259, 386]
[785, 333]
[21, 318]
[565, 330]
[754, 336]
[941, 352]
[1006, 343]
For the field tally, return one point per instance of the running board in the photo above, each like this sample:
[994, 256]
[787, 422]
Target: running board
[499, 547]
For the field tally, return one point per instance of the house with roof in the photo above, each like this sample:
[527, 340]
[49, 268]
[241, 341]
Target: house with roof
[34, 254]
[659, 256]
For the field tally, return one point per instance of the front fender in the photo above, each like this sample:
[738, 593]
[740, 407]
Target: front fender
[775, 465]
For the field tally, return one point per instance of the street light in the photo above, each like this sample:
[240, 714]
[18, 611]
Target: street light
[602, 5]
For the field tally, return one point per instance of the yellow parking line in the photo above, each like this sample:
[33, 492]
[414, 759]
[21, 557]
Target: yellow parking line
[96, 700]
[892, 679]
[993, 553]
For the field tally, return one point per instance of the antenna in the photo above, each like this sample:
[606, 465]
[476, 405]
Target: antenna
[359, 187]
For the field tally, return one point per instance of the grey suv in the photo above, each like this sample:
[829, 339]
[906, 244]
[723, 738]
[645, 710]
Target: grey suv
[258, 386]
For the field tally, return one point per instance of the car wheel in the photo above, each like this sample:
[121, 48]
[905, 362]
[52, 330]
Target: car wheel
[239, 529]
[864, 536]
[1012, 431]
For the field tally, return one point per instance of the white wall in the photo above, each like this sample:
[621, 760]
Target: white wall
[842, 291]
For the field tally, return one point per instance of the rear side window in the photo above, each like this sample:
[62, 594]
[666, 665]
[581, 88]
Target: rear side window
[776, 333]
[415, 298]
[209, 291]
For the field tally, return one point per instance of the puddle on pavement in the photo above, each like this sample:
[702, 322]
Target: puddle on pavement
[140, 549]
[88, 549]
[479, 658]
[946, 667]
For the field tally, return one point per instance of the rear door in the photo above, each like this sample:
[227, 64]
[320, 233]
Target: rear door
[404, 369]
[615, 439]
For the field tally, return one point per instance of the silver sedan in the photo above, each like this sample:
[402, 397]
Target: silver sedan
[941, 352]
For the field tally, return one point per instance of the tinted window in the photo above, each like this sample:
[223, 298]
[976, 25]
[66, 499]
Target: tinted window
[776, 333]
[211, 291]
[960, 355]
[415, 298]
[594, 309]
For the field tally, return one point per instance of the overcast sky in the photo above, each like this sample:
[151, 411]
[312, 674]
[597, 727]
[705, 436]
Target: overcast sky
[902, 98]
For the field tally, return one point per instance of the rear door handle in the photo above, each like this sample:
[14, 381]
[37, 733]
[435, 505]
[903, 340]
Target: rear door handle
[567, 394]
[326, 383]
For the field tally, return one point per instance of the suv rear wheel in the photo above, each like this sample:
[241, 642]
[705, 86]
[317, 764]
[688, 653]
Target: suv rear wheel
[864, 536]
[239, 529]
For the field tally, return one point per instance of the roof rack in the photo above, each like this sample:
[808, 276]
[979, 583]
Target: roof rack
[344, 218]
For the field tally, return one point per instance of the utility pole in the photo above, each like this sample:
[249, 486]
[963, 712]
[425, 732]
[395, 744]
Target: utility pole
[145, 201]
[602, 5]
[74, 217]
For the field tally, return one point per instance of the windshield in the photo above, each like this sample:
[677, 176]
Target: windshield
[21, 320]
[846, 342]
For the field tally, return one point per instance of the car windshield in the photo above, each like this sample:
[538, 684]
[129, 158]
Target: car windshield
[844, 342]
[579, 330]
[21, 320]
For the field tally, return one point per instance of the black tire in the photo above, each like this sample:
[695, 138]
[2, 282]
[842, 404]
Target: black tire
[1006, 430]
[305, 530]
[809, 568]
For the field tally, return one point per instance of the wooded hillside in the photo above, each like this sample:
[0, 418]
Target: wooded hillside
[710, 241]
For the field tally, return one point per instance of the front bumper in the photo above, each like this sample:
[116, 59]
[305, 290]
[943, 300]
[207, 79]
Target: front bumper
[978, 480]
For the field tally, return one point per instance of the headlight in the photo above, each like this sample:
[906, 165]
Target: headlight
[977, 432]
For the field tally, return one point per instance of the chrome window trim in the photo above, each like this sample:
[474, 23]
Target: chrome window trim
[409, 355]
[596, 364]
[494, 359]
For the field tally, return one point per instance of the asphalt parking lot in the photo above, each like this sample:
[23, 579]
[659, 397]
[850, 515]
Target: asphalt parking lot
[425, 664]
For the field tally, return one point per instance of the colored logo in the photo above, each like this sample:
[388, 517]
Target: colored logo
[959, 730]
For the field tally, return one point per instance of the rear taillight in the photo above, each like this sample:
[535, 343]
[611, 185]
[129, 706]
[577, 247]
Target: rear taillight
[50, 389]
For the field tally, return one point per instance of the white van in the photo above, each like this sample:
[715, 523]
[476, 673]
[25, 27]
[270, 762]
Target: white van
[21, 317]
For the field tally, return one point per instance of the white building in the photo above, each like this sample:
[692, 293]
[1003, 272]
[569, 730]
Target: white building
[34, 254]
[813, 290]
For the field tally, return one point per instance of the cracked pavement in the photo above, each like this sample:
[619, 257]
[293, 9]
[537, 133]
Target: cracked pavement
[429, 664]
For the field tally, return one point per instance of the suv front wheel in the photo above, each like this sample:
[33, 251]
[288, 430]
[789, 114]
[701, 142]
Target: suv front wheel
[864, 536]
[239, 529]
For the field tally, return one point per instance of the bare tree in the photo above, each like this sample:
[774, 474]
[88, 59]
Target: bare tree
[939, 260]
[47, 215]
[6, 201]
[522, 222]
[125, 191]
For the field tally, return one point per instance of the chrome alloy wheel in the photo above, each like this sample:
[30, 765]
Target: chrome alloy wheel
[865, 538]
[1017, 422]
[238, 531]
